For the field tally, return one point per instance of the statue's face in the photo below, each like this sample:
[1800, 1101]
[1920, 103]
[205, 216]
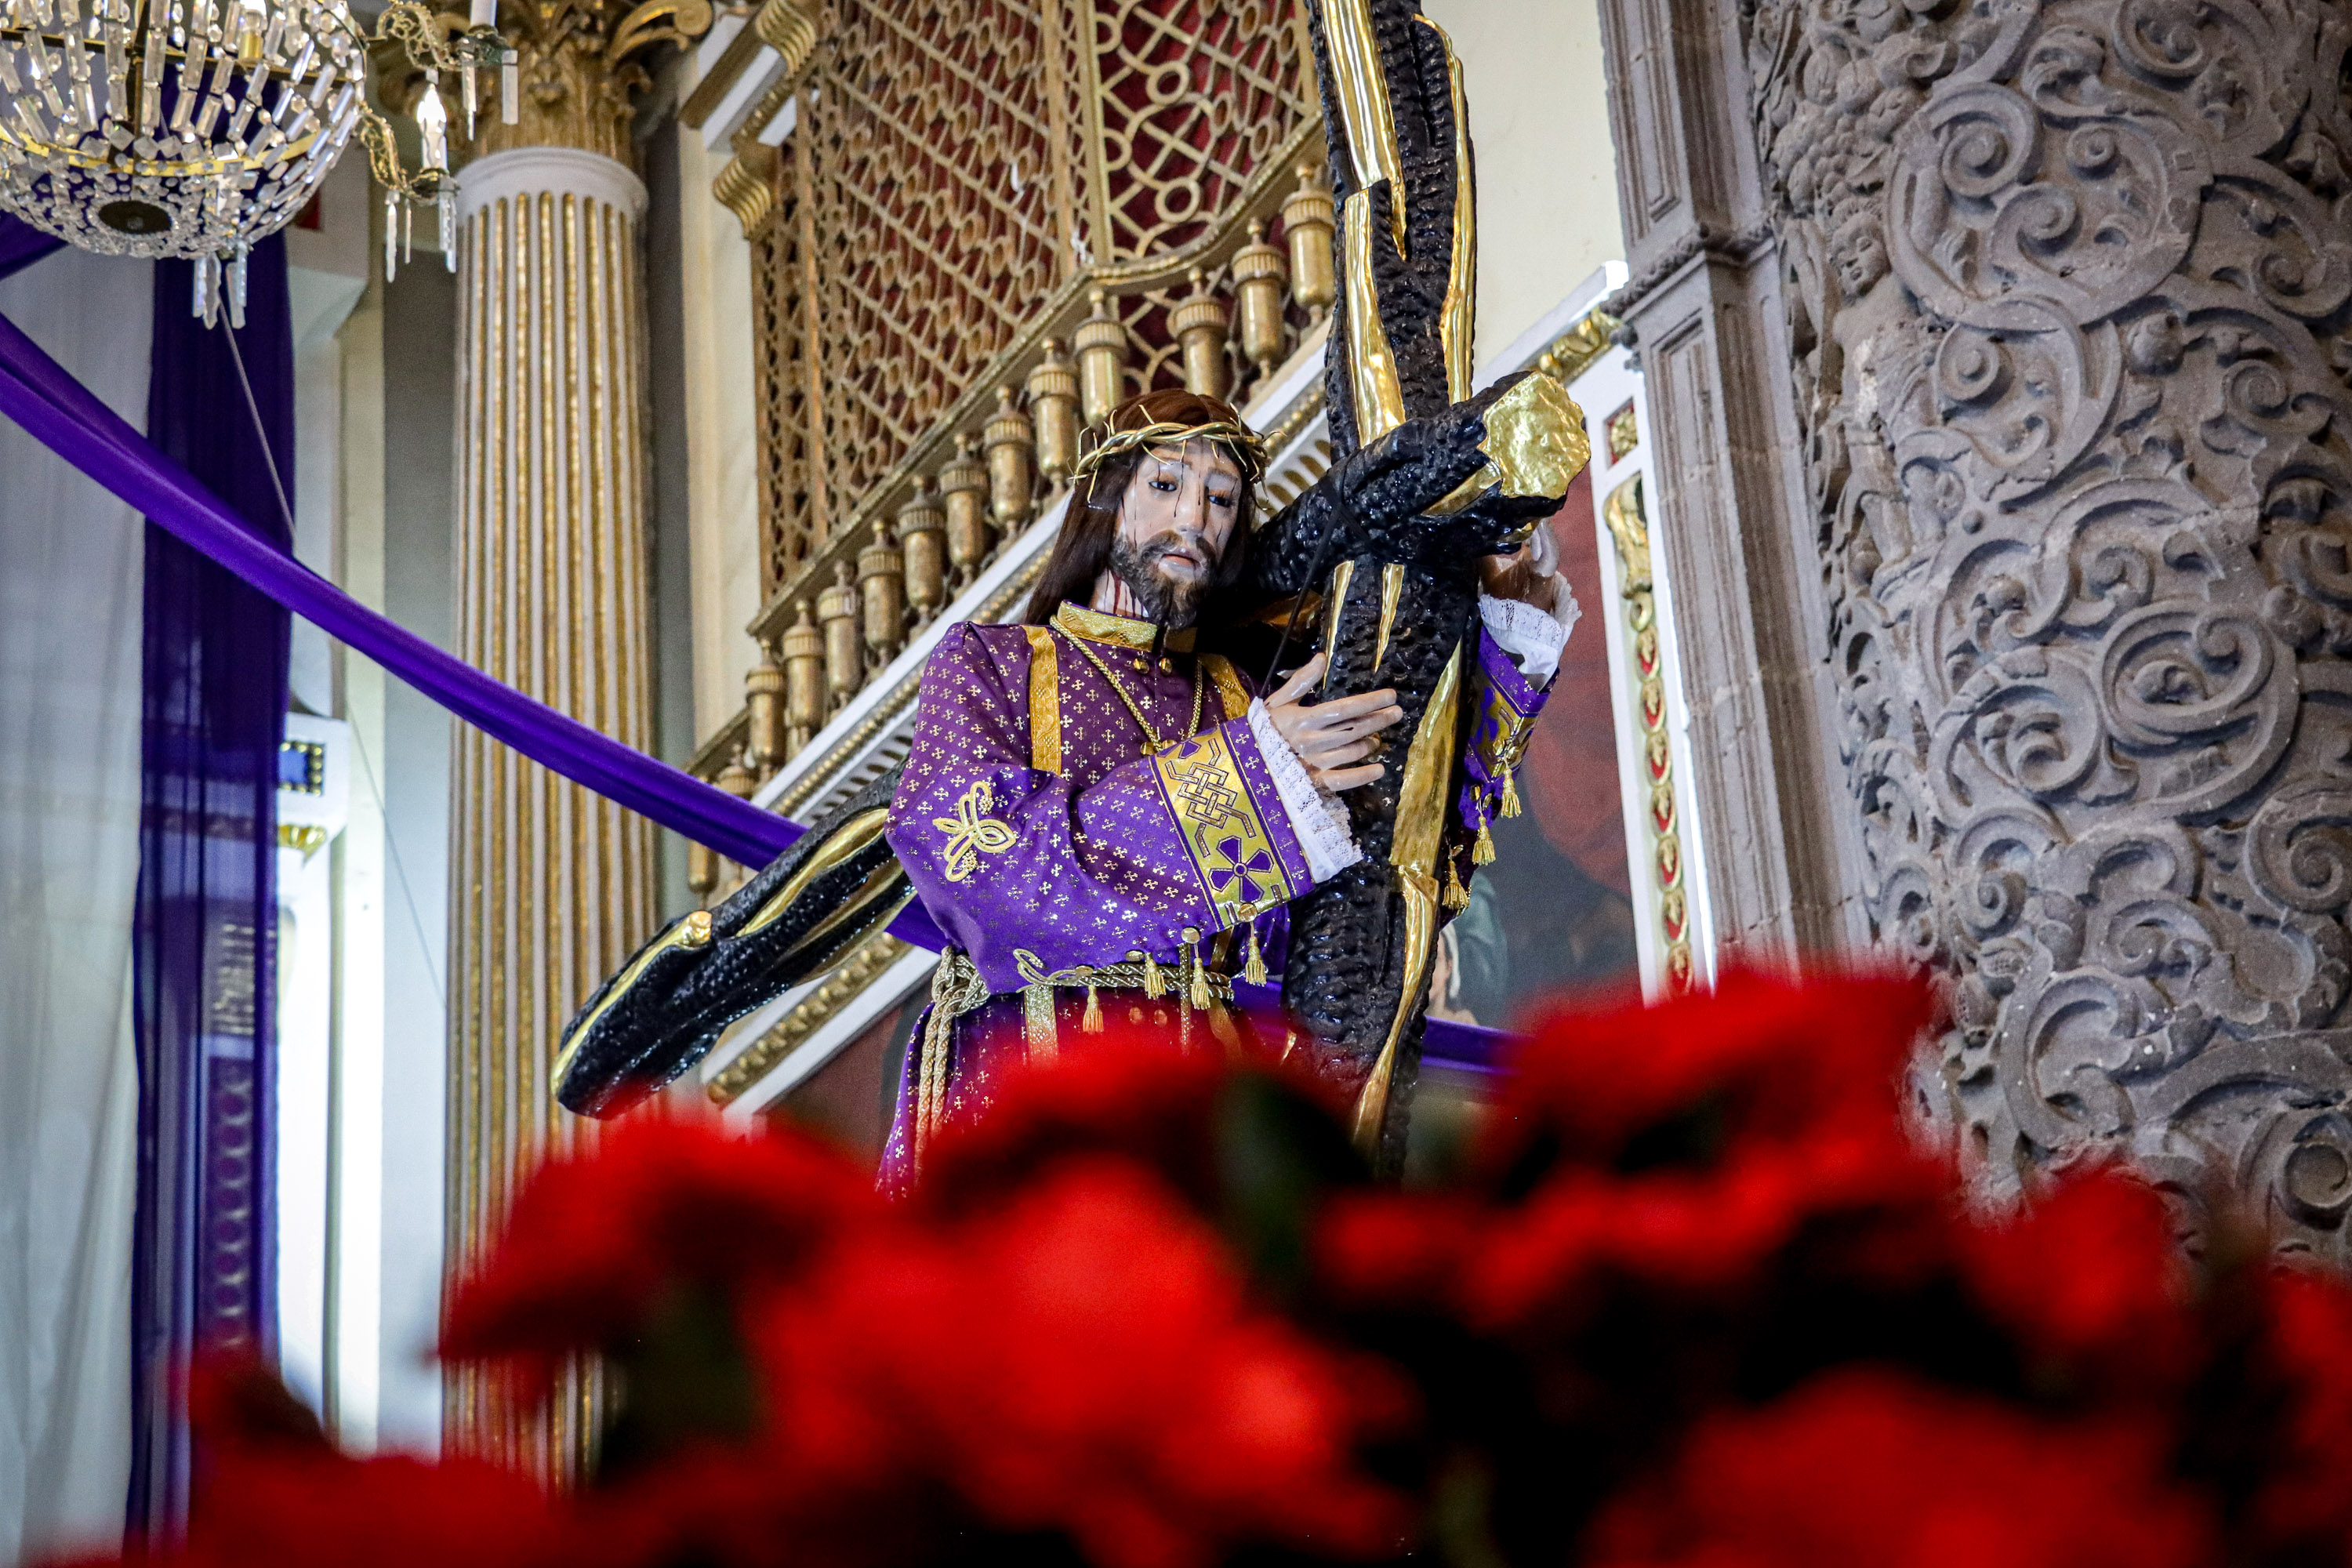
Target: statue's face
[1175, 523]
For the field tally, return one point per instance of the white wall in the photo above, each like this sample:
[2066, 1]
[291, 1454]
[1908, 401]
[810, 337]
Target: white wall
[416, 484]
[1547, 171]
[722, 444]
[71, 561]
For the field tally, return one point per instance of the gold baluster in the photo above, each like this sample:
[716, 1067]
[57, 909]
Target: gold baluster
[845, 663]
[736, 779]
[1306, 225]
[1054, 404]
[882, 584]
[963, 487]
[1259, 273]
[803, 681]
[1200, 324]
[763, 694]
[1012, 443]
[1102, 358]
[922, 544]
[701, 869]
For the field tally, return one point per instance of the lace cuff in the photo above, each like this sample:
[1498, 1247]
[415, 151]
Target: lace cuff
[1533, 637]
[1316, 816]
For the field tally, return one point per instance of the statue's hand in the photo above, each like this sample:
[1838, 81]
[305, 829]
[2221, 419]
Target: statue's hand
[1332, 739]
[1530, 574]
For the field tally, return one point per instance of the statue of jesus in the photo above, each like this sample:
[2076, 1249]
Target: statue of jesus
[1106, 814]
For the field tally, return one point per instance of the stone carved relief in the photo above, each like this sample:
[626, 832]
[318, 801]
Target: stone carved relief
[2067, 286]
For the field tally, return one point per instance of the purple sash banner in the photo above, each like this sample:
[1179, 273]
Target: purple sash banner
[61, 413]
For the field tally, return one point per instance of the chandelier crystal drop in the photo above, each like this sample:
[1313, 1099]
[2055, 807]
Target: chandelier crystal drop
[196, 128]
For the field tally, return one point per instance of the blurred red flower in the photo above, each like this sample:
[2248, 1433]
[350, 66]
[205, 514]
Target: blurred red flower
[2302, 1494]
[596, 1237]
[1124, 1091]
[2090, 1277]
[1083, 1356]
[1762, 1058]
[1681, 1145]
[1866, 1468]
[270, 1490]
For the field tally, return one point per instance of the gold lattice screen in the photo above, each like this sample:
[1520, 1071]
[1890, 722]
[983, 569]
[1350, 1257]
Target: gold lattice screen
[957, 168]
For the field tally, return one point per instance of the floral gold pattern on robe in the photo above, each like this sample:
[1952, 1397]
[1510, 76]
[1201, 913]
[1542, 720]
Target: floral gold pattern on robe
[1103, 852]
[1117, 853]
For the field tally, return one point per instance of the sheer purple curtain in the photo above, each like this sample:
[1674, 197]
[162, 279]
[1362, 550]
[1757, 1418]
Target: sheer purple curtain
[202, 1269]
[21, 244]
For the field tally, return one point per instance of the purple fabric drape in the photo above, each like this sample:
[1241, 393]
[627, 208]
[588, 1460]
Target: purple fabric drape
[62, 414]
[204, 1251]
[21, 245]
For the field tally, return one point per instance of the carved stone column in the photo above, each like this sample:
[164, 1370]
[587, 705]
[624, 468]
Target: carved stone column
[2066, 288]
[552, 886]
[1700, 310]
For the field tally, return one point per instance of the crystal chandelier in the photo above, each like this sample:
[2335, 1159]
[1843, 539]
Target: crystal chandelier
[195, 128]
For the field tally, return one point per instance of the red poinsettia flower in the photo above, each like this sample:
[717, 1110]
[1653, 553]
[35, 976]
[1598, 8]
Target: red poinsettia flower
[597, 1237]
[2303, 1496]
[1760, 1057]
[270, 1491]
[2089, 1275]
[1681, 1145]
[1130, 1091]
[1867, 1467]
[1082, 1356]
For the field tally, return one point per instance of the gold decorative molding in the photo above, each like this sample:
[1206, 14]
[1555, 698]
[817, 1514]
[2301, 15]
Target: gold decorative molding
[1569, 354]
[791, 27]
[1629, 527]
[716, 751]
[746, 185]
[865, 964]
[307, 836]
[579, 71]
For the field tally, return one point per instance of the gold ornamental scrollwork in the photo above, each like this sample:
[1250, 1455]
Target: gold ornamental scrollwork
[580, 69]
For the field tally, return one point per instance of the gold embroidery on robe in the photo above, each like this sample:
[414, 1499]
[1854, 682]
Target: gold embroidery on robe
[1230, 693]
[1120, 631]
[1044, 701]
[1224, 832]
[1503, 732]
[970, 833]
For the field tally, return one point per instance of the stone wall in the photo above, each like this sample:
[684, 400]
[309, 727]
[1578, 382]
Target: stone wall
[2063, 288]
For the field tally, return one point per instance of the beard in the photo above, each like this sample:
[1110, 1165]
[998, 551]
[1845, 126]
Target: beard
[1164, 599]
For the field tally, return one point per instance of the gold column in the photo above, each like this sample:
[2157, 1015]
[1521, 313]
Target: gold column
[553, 886]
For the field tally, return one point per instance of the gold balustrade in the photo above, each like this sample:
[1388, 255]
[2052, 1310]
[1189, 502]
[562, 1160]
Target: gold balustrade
[1229, 315]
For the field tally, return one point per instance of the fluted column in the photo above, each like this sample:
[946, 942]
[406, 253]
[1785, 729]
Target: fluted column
[553, 886]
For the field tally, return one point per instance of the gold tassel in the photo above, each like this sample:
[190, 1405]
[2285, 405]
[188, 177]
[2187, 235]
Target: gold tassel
[1201, 997]
[1457, 897]
[1092, 1022]
[1483, 852]
[1510, 792]
[1152, 986]
[1255, 970]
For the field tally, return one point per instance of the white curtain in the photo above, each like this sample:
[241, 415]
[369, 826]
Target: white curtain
[70, 706]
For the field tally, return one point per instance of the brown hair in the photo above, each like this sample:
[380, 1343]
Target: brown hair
[1082, 549]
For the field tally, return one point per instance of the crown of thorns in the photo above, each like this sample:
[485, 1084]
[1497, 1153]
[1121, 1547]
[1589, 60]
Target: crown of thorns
[1240, 442]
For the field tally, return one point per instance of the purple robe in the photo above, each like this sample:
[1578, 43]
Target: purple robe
[1043, 833]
